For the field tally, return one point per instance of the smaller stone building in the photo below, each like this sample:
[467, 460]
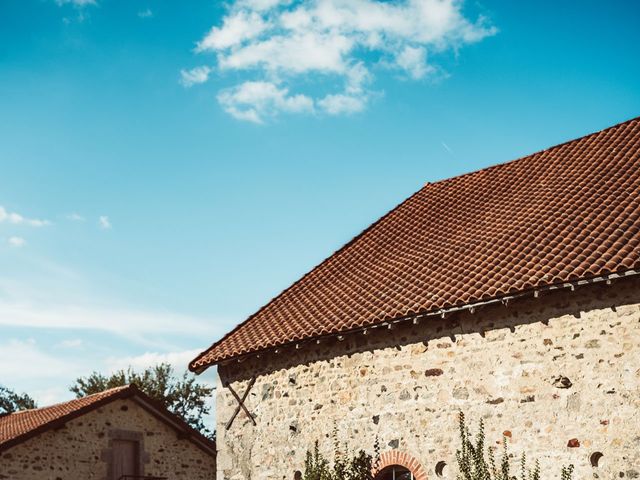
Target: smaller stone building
[118, 434]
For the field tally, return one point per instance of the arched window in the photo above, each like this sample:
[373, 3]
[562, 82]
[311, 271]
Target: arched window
[394, 472]
[397, 465]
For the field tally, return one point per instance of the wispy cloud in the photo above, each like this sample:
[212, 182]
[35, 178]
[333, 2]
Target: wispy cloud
[77, 3]
[35, 363]
[139, 326]
[52, 296]
[75, 217]
[281, 44]
[145, 13]
[179, 360]
[17, 219]
[104, 222]
[16, 242]
[194, 76]
[71, 343]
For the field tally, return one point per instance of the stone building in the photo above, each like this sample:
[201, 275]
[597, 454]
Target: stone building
[510, 294]
[119, 434]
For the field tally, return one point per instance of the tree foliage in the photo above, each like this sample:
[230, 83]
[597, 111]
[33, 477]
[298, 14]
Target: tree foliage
[182, 395]
[11, 401]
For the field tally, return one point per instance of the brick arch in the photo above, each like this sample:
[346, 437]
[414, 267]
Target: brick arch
[395, 457]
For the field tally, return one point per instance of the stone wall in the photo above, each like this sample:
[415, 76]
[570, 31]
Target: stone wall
[558, 374]
[77, 451]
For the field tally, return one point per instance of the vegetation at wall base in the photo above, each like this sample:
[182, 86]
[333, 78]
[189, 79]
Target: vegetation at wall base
[345, 466]
[477, 463]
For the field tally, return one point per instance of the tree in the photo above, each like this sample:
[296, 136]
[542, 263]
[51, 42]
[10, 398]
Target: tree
[181, 395]
[11, 402]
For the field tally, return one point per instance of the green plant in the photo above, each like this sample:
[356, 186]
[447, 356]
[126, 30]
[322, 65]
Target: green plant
[316, 467]
[345, 465]
[474, 465]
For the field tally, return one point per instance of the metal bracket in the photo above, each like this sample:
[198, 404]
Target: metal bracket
[241, 404]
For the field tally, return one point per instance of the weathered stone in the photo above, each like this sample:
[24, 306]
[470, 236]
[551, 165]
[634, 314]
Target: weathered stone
[293, 427]
[561, 382]
[78, 451]
[497, 372]
[573, 402]
[461, 393]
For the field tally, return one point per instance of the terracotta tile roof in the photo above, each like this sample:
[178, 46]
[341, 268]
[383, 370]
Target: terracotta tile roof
[17, 424]
[18, 427]
[562, 214]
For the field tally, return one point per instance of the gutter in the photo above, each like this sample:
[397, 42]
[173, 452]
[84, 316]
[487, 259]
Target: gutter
[416, 318]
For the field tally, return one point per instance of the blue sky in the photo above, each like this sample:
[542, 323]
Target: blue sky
[168, 167]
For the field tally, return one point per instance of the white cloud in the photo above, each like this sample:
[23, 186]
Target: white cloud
[104, 222]
[322, 42]
[17, 219]
[179, 360]
[34, 362]
[71, 343]
[145, 13]
[16, 242]
[77, 3]
[194, 76]
[75, 217]
[61, 299]
[253, 101]
[236, 28]
[339, 104]
[414, 61]
[262, 5]
[131, 323]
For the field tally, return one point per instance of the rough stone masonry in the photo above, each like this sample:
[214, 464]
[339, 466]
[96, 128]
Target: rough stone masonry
[558, 375]
[76, 451]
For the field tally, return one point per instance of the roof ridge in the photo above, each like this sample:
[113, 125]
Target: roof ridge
[524, 157]
[104, 394]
